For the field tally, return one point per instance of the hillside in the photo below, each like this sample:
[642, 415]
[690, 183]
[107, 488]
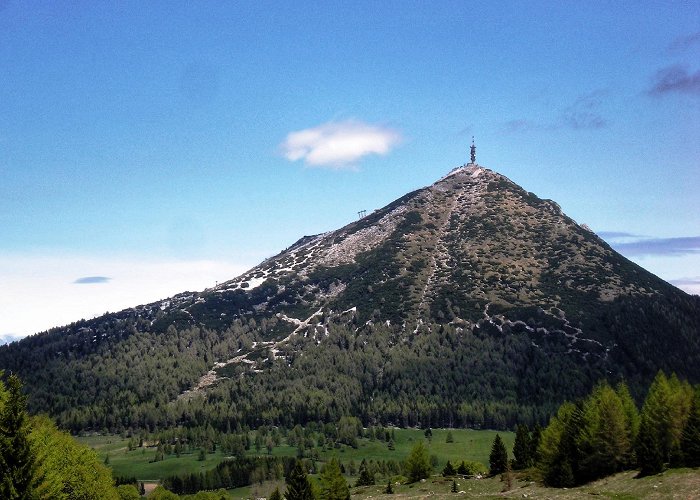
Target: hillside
[468, 302]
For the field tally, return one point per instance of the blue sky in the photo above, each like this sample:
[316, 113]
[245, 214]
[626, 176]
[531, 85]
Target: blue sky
[164, 146]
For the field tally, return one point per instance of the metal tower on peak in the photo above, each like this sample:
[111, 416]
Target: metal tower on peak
[473, 152]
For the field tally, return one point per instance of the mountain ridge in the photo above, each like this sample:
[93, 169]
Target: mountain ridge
[471, 271]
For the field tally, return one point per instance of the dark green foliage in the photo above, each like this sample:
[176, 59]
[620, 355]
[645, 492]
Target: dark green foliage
[298, 485]
[650, 458]
[417, 465]
[230, 474]
[690, 438]
[18, 470]
[535, 438]
[448, 470]
[462, 470]
[389, 490]
[366, 478]
[522, 448]
[454, 486]
[276, 495]
[498, 459]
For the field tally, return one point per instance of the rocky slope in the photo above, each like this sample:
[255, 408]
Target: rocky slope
[517, 288]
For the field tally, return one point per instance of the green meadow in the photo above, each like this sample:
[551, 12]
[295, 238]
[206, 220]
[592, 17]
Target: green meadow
[468, 444]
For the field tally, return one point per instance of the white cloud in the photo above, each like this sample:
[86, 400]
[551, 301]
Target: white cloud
[339, 144]
[39, 292]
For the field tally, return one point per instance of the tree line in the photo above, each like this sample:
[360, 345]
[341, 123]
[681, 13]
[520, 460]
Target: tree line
[605, 433]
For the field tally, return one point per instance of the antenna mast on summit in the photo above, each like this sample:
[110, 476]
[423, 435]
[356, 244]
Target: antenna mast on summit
[473, 152]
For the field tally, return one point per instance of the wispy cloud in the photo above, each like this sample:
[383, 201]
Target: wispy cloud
[659, 246]
[685, 281]
[675, 79]
[87, 280]
[583, 114]
[613, 235]
[521, 125]
[338, 145]
[683, 43]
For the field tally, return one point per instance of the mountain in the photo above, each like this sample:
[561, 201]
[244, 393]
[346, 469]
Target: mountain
[468, 302]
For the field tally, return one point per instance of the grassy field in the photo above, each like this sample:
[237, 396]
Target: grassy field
[675, 483]
[468, 445]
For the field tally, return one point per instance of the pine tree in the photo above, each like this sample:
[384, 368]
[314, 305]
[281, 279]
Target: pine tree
[275, 495]
[454, 486]
[462, 469]
[522, 448]
[449, 470]
[333, 484]
[498, 459]
[389, 490]
[365, 478]
[17, 462]
[298, 485]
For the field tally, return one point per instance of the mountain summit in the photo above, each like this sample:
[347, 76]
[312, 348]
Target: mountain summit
[468, 302]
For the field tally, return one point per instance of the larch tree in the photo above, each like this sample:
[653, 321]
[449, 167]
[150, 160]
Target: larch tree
[418, 463]
[333, 484]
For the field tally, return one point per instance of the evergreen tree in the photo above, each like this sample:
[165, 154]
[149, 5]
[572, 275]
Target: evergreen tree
[333, 484]
[648, 448]
[449, 438]
[462, 469]
[365, 478]
[298, 485]
[389, 490]
[454, 486]
[498, 459]
[690, 438]
[535, 438]
[276, 495]
[17, 461]
[418, 463]
[449, 470]
[522, 448]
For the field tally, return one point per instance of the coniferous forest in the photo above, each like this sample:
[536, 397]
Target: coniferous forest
[588, 439]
